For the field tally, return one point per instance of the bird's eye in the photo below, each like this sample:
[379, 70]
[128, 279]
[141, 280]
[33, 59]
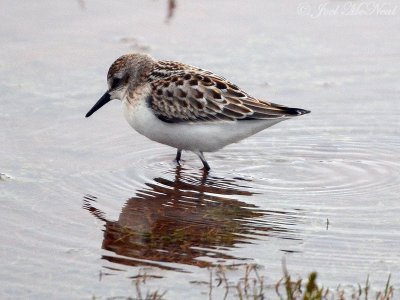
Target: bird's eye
[116, 82]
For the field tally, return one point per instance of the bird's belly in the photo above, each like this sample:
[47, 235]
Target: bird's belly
[193, 136]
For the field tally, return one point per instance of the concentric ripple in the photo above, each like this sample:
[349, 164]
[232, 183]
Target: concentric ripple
[344, 168]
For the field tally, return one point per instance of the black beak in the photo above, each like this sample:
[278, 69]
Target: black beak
[103, 100]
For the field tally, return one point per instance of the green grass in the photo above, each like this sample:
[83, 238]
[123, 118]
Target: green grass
[253, 286]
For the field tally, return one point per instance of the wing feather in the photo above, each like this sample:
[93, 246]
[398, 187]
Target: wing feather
[194, 95]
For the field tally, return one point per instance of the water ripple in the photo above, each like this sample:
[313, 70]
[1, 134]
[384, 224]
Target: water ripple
[343, 169]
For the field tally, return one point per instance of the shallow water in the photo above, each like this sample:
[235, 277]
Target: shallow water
[86, 204]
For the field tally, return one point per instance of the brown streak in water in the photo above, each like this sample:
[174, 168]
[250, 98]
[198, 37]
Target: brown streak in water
[171, 10]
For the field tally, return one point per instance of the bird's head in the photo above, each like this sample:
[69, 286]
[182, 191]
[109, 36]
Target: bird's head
[126, 73]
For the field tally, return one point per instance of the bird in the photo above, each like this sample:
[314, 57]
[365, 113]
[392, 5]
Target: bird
[186, 107]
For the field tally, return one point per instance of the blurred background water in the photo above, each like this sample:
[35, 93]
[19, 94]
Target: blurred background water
[88, 203]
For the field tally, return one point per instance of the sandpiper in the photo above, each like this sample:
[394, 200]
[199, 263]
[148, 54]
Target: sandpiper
[186, 107]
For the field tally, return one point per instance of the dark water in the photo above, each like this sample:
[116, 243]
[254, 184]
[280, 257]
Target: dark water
[87, 204]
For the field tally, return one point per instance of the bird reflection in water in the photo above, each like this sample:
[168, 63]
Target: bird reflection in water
[182, 221]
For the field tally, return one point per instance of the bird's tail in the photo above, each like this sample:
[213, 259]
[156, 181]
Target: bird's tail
[292, 111]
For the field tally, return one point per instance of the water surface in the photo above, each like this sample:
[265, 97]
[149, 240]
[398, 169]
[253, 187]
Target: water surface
[86, 204]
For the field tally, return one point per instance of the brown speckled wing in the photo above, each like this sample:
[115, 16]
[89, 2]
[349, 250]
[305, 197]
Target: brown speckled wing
[191, 95]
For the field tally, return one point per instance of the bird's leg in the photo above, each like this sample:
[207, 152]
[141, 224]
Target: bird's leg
[178, 156]
[203, 160]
